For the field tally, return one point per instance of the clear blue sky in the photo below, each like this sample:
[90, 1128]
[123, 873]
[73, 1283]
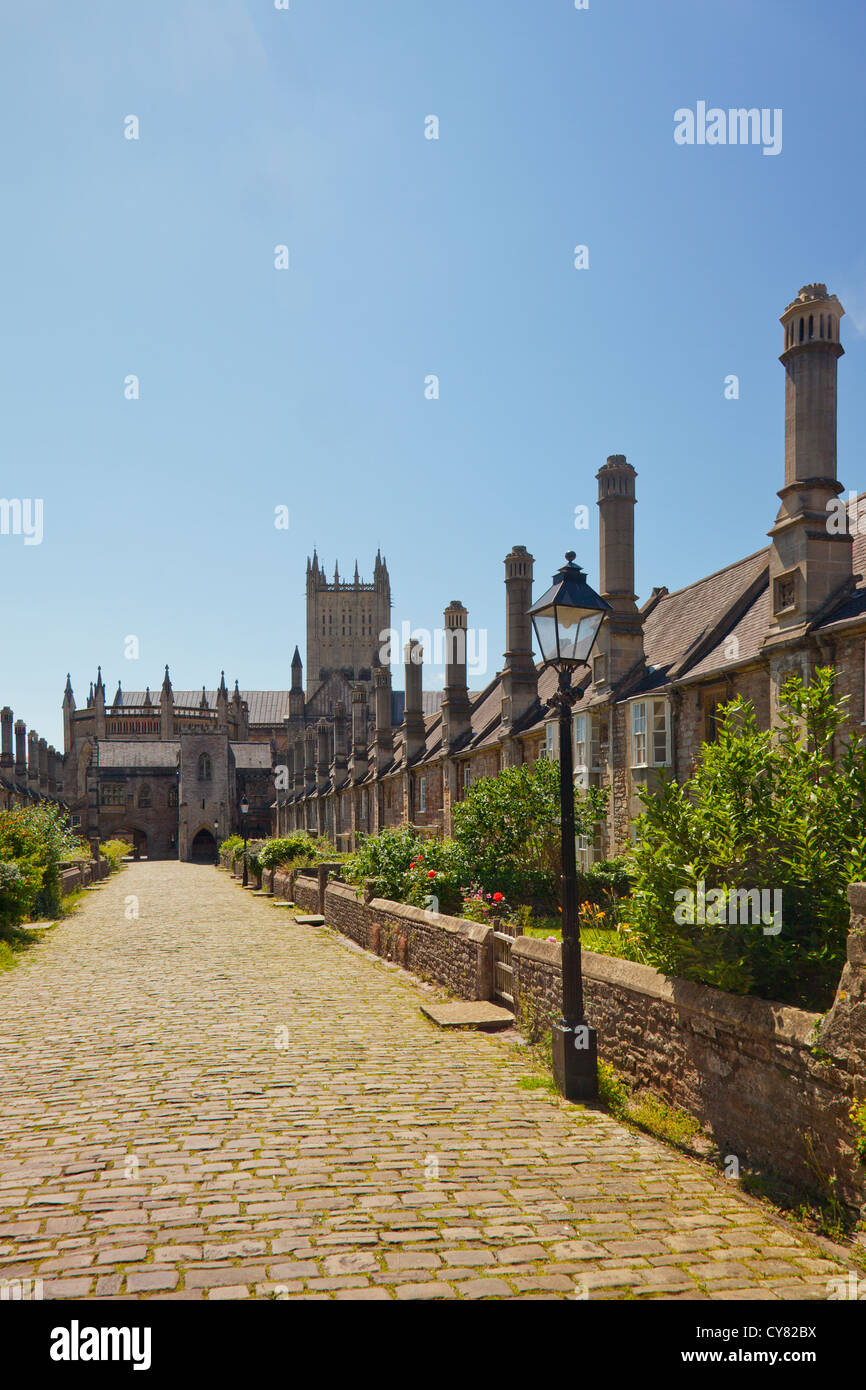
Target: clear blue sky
[408, 257]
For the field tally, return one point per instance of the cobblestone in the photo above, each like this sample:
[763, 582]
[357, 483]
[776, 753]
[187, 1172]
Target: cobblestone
[163, 1138]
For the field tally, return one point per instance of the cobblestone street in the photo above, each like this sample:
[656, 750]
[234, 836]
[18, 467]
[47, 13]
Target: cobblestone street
[214, 1102]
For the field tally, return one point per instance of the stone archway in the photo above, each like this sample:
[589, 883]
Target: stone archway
[203, 848]
[137, 840]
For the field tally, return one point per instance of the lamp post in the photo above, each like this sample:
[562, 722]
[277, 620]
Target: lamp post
[216, 836]
[245, 806]
[567, 620]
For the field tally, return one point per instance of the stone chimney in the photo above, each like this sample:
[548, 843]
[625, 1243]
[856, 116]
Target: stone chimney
[384, 726]
[519, 676]
[620, 641]
[298, 767]
[43, 766]
[52, 770]
[323, 754]
[340, 762]
[33, 761]
[811, 550]
[455, 702]
[310, 760]
[358, 761]
[413, 713]
[7, 760]
[20, 751]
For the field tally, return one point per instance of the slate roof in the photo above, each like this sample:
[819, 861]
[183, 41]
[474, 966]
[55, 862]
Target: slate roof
[123, 753]
[251, 757]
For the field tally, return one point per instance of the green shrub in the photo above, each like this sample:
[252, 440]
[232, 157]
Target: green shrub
[35, 840]
[288, 850]
[762, 810]
[385, 858]
[231, 845]
[115, 851]
[507, 829]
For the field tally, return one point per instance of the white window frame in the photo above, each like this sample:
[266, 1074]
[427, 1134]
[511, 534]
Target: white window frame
[643, 731]
[467, 775]
[551, 740]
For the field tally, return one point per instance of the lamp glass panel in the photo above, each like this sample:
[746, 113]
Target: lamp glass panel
[545, 631]
[577, 633]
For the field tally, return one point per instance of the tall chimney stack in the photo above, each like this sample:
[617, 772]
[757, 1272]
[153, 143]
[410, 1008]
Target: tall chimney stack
[811, 551]
[455, 703]
[7, 760]
[620, 642]
[519, 676]
[413, 715]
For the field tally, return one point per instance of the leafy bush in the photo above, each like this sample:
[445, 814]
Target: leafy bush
[231, 845]
[34, 841]
[385, 858]
[434, 877]
[605, 882]
[762, 810]
[289, 849]
[115, 851]
[508, 829]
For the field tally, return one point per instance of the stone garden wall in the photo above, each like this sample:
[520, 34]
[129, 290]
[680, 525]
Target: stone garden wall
[771, 1085]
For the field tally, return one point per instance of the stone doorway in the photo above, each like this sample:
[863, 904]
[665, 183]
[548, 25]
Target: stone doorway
[203, 850]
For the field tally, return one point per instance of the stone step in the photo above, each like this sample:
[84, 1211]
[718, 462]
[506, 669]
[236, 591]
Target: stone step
[310, 920]
[471, 1013]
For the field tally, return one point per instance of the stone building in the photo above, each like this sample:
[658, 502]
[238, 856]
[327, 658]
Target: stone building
[167, 771]
[661, 668]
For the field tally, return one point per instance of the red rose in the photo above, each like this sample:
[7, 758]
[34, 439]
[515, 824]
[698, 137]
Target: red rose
[497, 897]
[431, 873]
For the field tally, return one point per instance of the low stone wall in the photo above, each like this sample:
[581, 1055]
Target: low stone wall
[82, 872]
[771, 1085]
[449, 950]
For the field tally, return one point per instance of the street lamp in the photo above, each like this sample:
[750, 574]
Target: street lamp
[216, 837]
[245, 806]
[567, 620]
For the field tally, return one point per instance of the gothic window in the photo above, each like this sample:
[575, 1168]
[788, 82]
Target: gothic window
[811, 325]
[204, 768]
[144, 800]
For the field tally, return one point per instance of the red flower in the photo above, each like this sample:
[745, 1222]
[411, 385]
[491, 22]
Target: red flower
[497, 897]
[431, 873]
[411, 863]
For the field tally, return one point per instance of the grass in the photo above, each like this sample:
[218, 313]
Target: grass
[15, 941]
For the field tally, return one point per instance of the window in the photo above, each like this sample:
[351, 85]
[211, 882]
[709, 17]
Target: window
[112, 794]
[551, 740]
[580, 741]
[204, 768]
[650, 733]
[172, 796]
[467, 776]
[422, 794]
[76, 822]
[144, 800]
[638, 735]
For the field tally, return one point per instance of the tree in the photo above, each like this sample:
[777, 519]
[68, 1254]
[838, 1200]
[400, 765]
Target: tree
[508, 829]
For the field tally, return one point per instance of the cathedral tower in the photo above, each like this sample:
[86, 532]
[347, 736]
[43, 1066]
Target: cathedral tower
[345, 620]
